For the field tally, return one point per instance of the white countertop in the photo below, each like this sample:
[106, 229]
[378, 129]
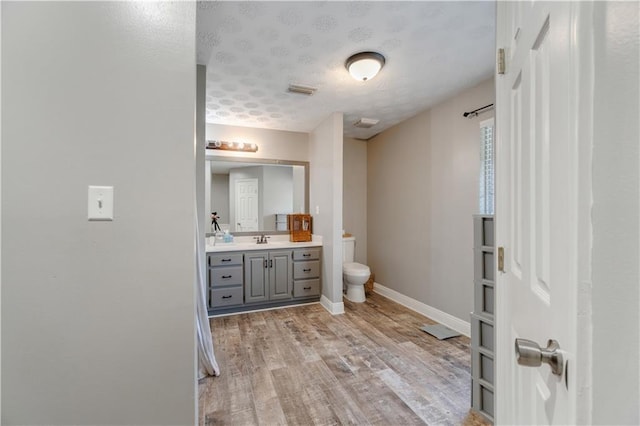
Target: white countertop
[275, 242]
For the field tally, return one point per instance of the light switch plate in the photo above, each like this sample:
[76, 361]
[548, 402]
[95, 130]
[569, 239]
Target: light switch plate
[100, 202]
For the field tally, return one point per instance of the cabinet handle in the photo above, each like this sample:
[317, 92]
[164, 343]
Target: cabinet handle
[265, 264]
[306, 255]
[306, 270]
[271, 263]
[227, 276]
[306, 288]
[225, 260]
[227, 297]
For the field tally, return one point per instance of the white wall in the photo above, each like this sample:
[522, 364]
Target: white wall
[422, 190]
[272, 144]
[325, 202]
[98, 317]
[354, 197]
[615, 213]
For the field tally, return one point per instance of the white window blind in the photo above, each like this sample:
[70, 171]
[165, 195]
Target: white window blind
[487, 167]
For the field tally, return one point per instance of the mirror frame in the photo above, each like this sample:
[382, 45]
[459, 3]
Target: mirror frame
[267, 162]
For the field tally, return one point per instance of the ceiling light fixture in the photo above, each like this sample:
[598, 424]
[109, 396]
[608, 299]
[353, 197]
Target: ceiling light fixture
[364, 66]
[232, 146]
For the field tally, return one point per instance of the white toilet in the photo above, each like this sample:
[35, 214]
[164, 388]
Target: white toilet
[354, 274]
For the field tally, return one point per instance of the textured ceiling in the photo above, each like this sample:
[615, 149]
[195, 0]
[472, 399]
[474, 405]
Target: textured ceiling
[254, 50]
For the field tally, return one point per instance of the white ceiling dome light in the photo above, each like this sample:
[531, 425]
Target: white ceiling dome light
[364, 66]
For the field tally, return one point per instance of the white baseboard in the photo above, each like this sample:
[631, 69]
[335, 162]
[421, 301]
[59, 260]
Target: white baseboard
[437, 315]
[333, 308]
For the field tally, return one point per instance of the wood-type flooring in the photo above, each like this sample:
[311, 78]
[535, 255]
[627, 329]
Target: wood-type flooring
[304, 366]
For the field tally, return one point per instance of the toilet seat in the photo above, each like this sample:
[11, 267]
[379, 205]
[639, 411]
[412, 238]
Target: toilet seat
[356, 269]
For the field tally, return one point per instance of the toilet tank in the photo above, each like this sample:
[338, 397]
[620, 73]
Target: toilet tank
[348, 249]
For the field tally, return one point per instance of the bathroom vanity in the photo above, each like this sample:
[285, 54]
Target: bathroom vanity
[248, 276]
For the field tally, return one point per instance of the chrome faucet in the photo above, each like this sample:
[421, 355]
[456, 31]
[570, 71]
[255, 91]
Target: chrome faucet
[262, 239]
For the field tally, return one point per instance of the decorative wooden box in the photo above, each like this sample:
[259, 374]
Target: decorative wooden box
[299, 227]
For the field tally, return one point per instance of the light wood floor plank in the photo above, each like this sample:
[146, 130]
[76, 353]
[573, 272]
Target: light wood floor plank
[303, 366]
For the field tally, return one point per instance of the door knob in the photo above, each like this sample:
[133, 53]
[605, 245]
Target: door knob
[530, 354]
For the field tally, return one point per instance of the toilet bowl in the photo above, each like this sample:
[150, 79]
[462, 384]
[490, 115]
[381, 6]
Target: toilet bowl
[354, 274]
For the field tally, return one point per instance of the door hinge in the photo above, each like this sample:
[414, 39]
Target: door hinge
[500, 61]
[500, 259]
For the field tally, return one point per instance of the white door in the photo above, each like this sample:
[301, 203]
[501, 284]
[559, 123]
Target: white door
[536, 107]
[247, 205]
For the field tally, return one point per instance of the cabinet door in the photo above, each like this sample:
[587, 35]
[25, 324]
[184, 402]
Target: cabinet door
[256, 285]
[280, 275]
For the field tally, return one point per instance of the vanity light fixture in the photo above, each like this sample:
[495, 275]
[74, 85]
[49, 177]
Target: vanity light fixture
[364, 66]
[232, 146]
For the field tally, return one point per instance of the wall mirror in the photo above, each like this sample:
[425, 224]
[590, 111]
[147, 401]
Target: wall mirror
[253, 196]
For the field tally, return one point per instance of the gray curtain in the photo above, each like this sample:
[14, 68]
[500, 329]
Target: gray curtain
[207, 365]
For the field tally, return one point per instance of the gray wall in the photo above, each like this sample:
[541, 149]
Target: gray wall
[354, 197]
[98, 317]
[422, 190]
[277, 194]
[325, 202]
[272, 144]
[616, 209]
[220, 187]
[299, 189]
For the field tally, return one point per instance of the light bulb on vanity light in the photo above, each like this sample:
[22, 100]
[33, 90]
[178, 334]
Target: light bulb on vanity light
[232, 146]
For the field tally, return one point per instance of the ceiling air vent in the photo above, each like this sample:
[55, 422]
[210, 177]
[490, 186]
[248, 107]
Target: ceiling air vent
[301, 90]
[366, 123]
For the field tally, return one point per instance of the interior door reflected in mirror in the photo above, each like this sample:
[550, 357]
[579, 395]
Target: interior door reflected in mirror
[255, 195]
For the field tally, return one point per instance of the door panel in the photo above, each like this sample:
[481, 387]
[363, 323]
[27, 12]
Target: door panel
[534, 218]
[247, 205]
[540, 162]
[255, 277]
[280, 275]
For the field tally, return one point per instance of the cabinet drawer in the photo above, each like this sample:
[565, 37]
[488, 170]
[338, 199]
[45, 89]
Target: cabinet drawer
[306, 254]
[222, 276]
[305, 288]
[226, 297]
[302, 270]
[225, 259]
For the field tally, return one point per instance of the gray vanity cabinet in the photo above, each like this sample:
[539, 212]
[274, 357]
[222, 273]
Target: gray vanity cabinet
[306, 272]
[268, 276]
[256, 277]
[280, 277]
[225, 280]
[246, 280]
